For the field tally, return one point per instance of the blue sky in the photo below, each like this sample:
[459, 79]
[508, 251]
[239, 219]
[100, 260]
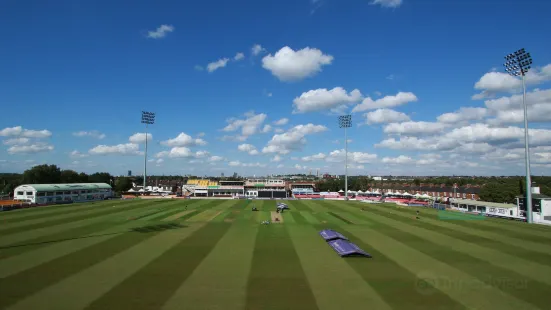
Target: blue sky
[255, 87]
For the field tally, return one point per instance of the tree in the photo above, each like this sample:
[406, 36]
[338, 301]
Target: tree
[123, 184]
[100, 177]
[42, 174]
[70, 176]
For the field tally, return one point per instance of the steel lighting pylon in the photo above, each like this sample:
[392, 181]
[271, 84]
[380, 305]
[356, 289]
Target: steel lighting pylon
[148, 118]
[518, 64]
[345, 121]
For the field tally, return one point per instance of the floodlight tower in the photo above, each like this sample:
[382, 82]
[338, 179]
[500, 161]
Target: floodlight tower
[345, 121]
[148, 118]
[518, 64]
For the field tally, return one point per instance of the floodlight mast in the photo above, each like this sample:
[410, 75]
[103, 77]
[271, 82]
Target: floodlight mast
[148, 118]
[518, 64]
[345, 121]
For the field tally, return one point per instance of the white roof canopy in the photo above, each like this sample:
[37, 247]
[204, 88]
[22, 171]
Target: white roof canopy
[407, 194]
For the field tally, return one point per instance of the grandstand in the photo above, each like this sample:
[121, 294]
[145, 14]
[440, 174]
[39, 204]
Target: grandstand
[265, 188]
[62, 193]
[208, 188]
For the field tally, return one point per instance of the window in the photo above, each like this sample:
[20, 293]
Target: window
[19, 193]
[29, 193]
[49, 193]
[40, 194]
[511, 212]
[59, 193]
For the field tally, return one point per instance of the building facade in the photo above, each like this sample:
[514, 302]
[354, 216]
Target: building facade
[62, 193]
[434, 190]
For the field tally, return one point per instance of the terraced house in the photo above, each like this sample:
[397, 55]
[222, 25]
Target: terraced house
[439, 191]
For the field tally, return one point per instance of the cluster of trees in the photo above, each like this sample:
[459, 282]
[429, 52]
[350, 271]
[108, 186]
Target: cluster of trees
[52, 174]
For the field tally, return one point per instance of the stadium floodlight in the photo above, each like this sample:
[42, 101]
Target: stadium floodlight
[518, 64]
[345, 121]
[148, 118]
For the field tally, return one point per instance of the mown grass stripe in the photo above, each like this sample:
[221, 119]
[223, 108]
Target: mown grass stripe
[276, 279]
[310, 219]
[394, 283]
[527, 250]
[44, 241]
[322, 267]
[346, 221]
[21, 285]
[445, 250]
[60, 247]
[136, 291]
[220, 280]
[58, 220]
[43, 215]
[502, 228]
[85, 286]
[288, 218]
[44, 211]
[299, 217]
[472, 293]
[180, 215]
[299, 205]
[24, 236]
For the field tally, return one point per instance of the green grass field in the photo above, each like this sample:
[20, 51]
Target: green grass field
[214, 254]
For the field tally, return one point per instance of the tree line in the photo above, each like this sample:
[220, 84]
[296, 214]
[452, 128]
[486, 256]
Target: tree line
[52, 174]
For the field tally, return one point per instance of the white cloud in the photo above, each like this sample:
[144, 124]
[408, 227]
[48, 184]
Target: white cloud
[319, 156]
[16, 141]
[139, 138]
[324, 99]
[216, 158]
[30, 149]
[414, 128]
[279, 130]
[479, 134]
[289, 65]
[119, 149]
[215, 65]
[94, 134]
[353, 157]
[281, 122]
[496, 82]
[182, 152]
[293, 139]
[507, 110]
[239, 56]
[19, 131]
[386, 102]
[257, 49]
[237, 138]
[77, 154]
[462, 115]
[183, 139]
[276, 158]
[387, 3]
[234, 163]
[266, 128]
[237, 163]
[160, 32]
[249, 148]
[382, 116]
[249, 126]
[400, 160]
